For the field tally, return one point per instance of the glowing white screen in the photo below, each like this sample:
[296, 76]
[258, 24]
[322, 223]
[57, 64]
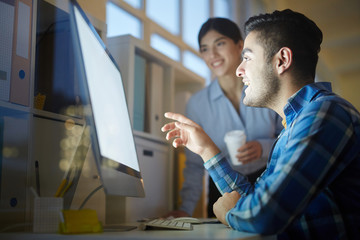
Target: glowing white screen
[108, 101]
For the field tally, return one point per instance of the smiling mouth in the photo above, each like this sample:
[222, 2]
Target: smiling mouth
[217, 63]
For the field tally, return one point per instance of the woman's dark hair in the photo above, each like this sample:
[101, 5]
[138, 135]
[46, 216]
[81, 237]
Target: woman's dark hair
[289, 29]
[223, 26]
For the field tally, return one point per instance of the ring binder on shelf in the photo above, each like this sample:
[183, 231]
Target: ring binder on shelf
[20, 71]
[7, 12]
[156, 101]
[139, 93]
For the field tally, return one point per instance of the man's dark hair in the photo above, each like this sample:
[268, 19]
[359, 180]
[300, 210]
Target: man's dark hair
[223, 26]
[289, 29]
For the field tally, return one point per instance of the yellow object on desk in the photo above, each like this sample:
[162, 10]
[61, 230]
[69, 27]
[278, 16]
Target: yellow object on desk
[66, 182]
[61, 188]
[79, 221]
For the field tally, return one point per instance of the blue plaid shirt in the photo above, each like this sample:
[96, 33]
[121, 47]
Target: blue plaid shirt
[311, 187]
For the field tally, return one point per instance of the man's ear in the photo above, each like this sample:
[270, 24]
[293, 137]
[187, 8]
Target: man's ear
[284, 59]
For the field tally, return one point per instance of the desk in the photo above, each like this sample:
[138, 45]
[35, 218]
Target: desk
[200, 231]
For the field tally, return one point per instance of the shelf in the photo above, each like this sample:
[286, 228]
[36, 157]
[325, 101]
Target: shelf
[14, 106]
[57, 117]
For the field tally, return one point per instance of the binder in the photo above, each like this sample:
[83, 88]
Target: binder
[156, 73]
[139, 93]
[7, 14]
[20, 71]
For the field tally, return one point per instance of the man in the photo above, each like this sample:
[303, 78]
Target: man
[310, 188]
[218, 109]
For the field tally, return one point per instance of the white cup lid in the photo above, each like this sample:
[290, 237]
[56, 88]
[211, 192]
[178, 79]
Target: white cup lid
[235, 134]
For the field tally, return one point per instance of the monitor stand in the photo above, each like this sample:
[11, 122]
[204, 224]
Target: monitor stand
[115, 215]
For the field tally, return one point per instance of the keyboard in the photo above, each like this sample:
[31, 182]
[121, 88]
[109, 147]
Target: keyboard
[165, 224]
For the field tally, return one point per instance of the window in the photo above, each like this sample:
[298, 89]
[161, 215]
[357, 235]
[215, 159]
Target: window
[172, 26]
[165, 47]
[165, 13]
[221, 8]
[121, 22]
[197, 65]
[195, 14]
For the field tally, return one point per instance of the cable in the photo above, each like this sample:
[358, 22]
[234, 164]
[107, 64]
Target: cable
[90, 195]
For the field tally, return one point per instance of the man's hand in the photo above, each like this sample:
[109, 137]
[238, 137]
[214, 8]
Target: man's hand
[189, 134]
[249, 152]
[224, 204]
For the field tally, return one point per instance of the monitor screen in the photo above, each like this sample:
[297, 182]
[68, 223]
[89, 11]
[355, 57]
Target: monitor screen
[112, 137]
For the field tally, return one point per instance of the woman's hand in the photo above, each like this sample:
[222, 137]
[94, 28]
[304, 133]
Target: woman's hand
[189, 134]
[249, 152]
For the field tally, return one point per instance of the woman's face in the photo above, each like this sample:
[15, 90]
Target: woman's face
[220, 53]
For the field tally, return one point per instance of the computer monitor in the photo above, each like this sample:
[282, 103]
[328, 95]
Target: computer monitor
[108, 117]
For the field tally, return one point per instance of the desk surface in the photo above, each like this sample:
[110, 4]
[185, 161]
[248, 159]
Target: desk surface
[200, 231]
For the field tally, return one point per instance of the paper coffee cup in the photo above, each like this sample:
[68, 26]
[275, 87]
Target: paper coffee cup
[234, 140]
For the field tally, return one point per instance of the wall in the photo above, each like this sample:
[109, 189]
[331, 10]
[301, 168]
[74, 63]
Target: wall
[340, 50]
[350, 86]
[97, 8]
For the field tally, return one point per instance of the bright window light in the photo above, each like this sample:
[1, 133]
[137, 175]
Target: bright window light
[195, 14]
[120, 22]
[221, 8]
[164, 46]
[165, 13]
[197, 65]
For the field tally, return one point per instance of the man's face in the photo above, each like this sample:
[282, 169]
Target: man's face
[258, 74]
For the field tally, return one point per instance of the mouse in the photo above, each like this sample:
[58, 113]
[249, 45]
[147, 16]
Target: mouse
[187, 220]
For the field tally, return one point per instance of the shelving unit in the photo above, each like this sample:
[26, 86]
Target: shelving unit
[174, 80]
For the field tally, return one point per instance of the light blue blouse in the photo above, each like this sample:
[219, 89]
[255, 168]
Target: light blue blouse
[214, 112]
